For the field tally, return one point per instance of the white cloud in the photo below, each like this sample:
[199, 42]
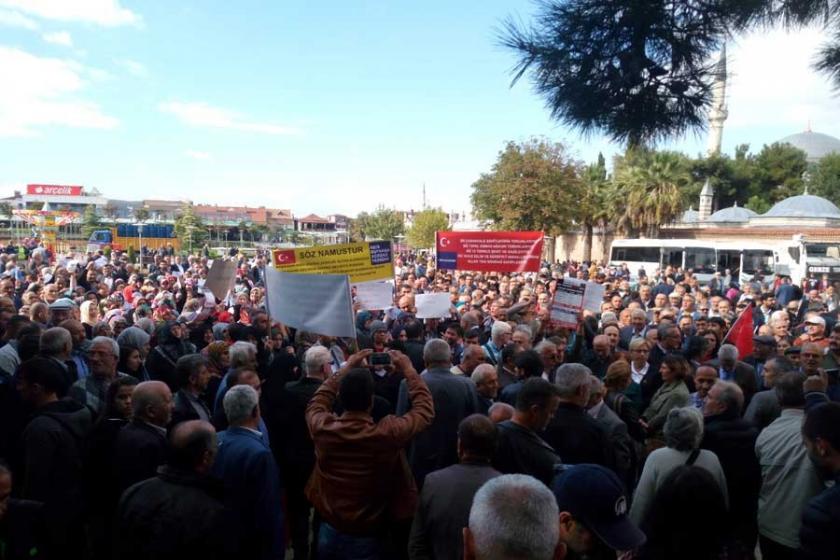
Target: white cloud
[46, 93]
[132, 67]
[204, 115]
[58, 38]
[108, 13]
[11, 18]
[772, 81]
[195, 154]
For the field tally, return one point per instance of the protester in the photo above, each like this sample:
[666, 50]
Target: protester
[367, 487]
[672, 393]
[764, 406]
[486, 382]
[444, 507]
[818, 534]
[683, 433]
[195, 523]
[512, 516]
[251, 479]
[193, 377]
[788, 478]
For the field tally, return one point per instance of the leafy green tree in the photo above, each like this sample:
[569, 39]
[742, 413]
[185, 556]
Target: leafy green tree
[90, 221]
[639, 71]
[533, 185]
[381, 224]
[649, 186]
[141, 214]
[5, 210]
[825, 178]
[594, 209]
[421, 234]
[189, 228]
[778, 172]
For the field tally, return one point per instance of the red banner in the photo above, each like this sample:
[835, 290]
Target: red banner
[54, 190]
[741, 333]
[500, 251]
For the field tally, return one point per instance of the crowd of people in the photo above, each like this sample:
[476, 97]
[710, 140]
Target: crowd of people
[142, 418]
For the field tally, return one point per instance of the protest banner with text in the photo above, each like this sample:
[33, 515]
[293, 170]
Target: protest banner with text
[499, 251]
[362, 262]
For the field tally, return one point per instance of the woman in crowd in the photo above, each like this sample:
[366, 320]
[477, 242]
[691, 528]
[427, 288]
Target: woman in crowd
[672, 394]
[617, 383]
[131, 362]
[683, 432]
[89, 316]
[672, 524]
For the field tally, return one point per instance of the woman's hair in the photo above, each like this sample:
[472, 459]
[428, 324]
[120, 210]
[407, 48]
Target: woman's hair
[683, 429]
[677, 365]
[110, 409]
[618, 373]
[671, 524]
[125, 353]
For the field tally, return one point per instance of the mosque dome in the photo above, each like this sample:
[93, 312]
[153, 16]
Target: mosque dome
[735, 214]
[689, 216]
[815, 144]
[804, 206]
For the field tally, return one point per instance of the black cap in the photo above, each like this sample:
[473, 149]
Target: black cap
[595, 496]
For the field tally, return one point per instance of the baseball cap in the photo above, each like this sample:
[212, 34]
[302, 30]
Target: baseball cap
[595, 496]
[765, 339]
[815, 320]
[62, 303]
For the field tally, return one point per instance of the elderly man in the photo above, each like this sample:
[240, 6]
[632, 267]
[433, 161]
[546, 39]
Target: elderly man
[764, 406]
[730, 368]
[549, 355]
[56, 346]
[500, 335]
[732, 439]
[704, 378]
[181, 506]
[500, 412]
[103, 356]
[600, 357]
[621, 450]
[448, 493]
[764, 348]
[193, 376]
[487, 386]
[60, 309]
[140, 447]
[810, 358]
[251, 478]
[472, 356]
[240, 354]
[789, 478]
[80, 346]
[512, 516]
[780, 325]
[636, 328]
[575, 436]
[814, 332]
[454, 397]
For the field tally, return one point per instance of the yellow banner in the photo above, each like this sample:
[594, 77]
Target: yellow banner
[363, 262]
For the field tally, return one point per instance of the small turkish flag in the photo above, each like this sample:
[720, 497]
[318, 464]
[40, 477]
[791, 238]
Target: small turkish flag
[282, 258]
[741, 333]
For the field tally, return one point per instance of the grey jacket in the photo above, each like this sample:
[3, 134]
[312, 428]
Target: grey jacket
[763, 409]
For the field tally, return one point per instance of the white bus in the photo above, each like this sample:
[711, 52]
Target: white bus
[705, 257]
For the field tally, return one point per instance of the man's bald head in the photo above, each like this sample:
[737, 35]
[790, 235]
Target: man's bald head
[601, 345]
[500, 412]
[192, 446]
[151, 402]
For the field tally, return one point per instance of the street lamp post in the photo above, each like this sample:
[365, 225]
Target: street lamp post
[139, 226]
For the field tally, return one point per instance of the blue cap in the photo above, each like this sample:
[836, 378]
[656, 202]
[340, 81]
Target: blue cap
[595, 496]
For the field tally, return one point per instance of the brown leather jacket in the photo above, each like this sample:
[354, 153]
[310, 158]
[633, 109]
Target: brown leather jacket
[361, 478]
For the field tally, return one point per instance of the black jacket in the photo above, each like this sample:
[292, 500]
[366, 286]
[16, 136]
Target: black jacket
[183, 410]
[732, 439]
[521, 451]
[138, 452]
[23, 531]
[285, 416]
[444, 511]
[577, 438]
[173, 516]
[414, 351]
[818, 535]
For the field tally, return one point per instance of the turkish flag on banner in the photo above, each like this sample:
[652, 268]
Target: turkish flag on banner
[741, 333]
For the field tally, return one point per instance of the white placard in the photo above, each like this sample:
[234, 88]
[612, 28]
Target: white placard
[316, 303]
[375, 295]
[432, 306]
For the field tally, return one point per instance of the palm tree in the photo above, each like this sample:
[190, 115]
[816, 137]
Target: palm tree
[649, 186]
[593, 202]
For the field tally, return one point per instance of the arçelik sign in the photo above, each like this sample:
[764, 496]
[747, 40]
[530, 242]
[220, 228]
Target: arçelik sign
[55, 190]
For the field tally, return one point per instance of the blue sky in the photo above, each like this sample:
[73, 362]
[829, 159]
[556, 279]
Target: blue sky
[315, 106]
